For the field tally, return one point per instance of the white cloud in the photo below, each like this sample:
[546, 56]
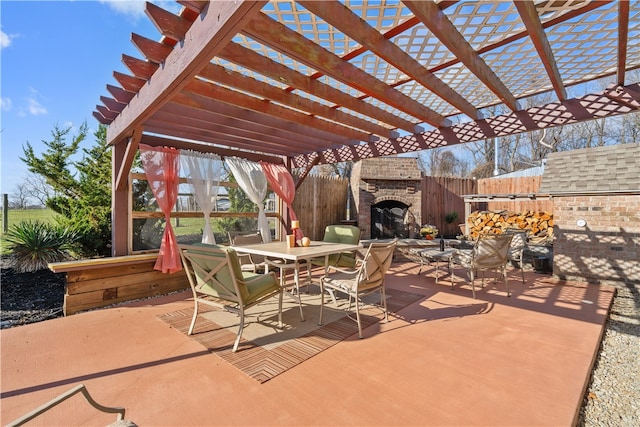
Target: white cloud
[33, 104]
[134, 9]
[5, 39]
[6, 104]
[35, 108]
[131, 8]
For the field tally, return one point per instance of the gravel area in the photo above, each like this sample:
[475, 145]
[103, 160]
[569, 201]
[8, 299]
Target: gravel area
[612, 399]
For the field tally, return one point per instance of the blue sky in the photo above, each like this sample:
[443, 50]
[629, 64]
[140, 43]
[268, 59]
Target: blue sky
[57, 58]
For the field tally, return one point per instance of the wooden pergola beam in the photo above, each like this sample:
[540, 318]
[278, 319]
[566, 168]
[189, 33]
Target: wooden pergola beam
[204, 39]
[195, 98]
[192, 125]
[127, 160]
[231, 78]
[260, 64]
[151, 49]
[278, 36]
[169, 25]
[341, 17]
[224, 121]
[156, 141]
[615, 100]
[529, 16]
[228, 96]
[436, 21]
[623, 34]
[141, 69]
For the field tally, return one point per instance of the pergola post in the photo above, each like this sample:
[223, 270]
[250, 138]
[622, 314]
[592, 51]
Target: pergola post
[119, 204]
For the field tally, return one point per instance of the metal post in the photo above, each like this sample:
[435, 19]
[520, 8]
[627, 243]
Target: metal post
[496, 172]
[5, 212]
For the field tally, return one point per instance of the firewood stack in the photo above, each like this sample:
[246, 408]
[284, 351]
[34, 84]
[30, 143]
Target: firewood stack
[539, 224]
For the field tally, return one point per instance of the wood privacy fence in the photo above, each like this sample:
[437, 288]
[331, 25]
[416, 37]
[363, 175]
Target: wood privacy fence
[442, 196]
[320, 201]
[519, 185]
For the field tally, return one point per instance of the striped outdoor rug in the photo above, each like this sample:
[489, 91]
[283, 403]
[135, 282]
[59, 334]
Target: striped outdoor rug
[262, 363]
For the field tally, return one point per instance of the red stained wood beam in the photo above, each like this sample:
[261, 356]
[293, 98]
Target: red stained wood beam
[141, 69]
[529, 16]
[169, 25]
[204, 39]
[239, 81]
[260, 64]
[155, 141]
[437, 22]
[239, 99]
[112, 104]
[129, 83]
[127, 161]
[152, 50]
[224, 122]
[341, 17]
[614, 101]
[281, 38]
[623, 34]
[297, 135]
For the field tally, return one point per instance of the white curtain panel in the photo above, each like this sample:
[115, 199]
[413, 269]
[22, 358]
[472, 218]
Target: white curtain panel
[203, 172]
[253, 182]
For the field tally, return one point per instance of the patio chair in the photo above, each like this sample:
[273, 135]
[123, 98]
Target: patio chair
[253, 262]
[216, 279]
[516, 249]
[349, 234]
[249, 262]
[82, 389]
[489, 253]
[362, 281]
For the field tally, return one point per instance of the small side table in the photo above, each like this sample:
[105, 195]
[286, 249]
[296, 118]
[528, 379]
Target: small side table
[434, 255]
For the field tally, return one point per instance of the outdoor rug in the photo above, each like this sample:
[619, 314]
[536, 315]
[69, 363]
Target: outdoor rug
[266, 351]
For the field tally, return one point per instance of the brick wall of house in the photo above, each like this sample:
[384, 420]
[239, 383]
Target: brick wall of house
[607, 248]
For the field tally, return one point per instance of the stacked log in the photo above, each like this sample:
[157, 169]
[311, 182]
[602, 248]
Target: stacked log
[538, 224]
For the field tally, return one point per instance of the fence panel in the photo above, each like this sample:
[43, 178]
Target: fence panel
[442, 196]
[320, 201]
[518, 185]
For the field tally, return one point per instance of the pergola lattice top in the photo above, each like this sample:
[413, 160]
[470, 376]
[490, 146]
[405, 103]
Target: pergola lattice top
[311, 81]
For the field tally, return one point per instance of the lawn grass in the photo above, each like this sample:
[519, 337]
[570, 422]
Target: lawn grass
[16, 216]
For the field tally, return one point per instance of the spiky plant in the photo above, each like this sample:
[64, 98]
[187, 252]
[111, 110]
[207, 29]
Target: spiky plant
[34, 244]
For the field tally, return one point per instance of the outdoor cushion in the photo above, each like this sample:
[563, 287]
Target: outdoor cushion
[348, 234]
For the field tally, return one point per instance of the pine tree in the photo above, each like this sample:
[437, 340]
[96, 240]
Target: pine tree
[82, 188]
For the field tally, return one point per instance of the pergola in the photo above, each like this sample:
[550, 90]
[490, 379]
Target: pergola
[302, 83]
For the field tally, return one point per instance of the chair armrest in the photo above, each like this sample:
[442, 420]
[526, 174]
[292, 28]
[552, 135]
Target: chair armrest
[342, 270]
[80, 388]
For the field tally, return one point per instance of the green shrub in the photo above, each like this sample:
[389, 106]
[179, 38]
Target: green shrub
[34, 244]
[450, 217]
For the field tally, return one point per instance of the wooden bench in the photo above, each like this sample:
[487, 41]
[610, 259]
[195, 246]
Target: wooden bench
[93, 283]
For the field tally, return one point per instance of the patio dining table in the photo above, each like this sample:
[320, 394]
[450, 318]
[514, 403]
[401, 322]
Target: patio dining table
[297, 254]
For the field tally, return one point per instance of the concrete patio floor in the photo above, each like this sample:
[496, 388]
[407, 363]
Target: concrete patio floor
[446, 360]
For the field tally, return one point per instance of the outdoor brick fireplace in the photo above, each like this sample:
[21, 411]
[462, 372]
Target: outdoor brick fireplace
[387, 195]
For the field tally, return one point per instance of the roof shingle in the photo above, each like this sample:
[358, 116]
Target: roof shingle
[613, 168]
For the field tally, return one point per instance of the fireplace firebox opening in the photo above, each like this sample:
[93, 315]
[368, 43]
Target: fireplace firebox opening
[388, 220]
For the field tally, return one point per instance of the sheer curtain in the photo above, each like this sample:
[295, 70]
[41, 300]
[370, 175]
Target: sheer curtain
[162, 168]
[253, 182]
[204, 171]
[282, 184]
